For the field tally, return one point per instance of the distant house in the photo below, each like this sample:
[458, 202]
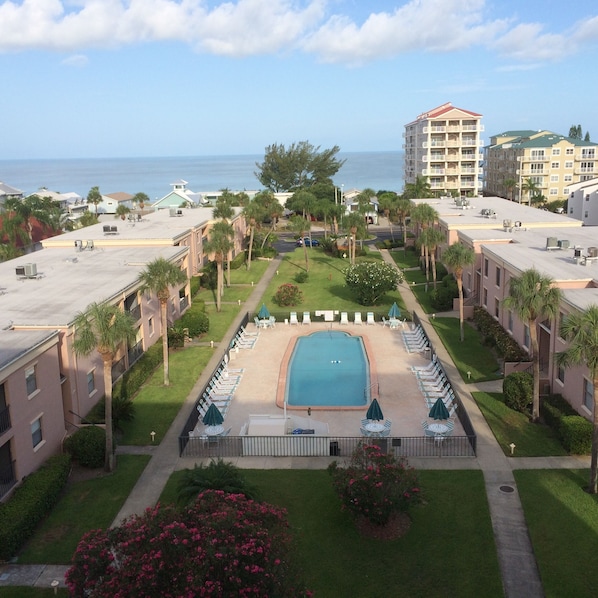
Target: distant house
[179, 197]
[8, 192]
[352, 205]
[70, 203]
[111, 201]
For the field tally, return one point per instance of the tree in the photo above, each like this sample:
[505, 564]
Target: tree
[510, 185]
[300, 166]
[353, 223]
[253, 215]
[388, 202]
[581, 331]
[457, 257]
[534, 298]
[403, 207]
[531, 189]
[140, 199]
[424, 215]
[157, 277]
[418, 190]
[364, 204]
[224, 211]
[104, 328]
[431, 238]
[218, 244]
[94, 197]
[370, 280]
[575, 132]
[122, 211]
[300, 226]
[23, 212]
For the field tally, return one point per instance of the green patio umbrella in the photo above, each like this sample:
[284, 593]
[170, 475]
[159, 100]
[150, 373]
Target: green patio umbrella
[374, 411]
[439, 410]
[213, 417]
[394, 311]
[263, 314]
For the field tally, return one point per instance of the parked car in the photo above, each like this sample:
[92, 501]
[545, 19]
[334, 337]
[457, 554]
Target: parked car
[308, 242]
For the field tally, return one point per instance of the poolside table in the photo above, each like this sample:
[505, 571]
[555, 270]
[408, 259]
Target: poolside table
[374, 428]
[214, 430]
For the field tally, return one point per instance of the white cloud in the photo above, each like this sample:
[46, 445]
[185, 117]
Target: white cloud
[76, 60]
[527, 42]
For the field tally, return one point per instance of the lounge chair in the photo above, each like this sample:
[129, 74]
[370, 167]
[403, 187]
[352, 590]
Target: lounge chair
[364, 422]
[306, 318]
[370, 318]
[293, 318]
[358, 318]
[364, 432]
[344, 317]
[385, 433]
[385, 322]
[272, 321]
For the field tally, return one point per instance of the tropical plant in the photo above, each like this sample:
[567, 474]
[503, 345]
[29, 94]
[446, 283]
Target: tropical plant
[94, 197]
[370, 280]
[375, 484]
[581, 331]
[23, 212]
[420, 189]
[533, 298]
[104, 328]
[217, 475]
[457, 257]
[253, 214]
[510, 185]
[364, 204]
[218, 244]
[140, 199]
[221, 545]
[87, 446]
[388, 205]
[403, 208]
[354, 224]
[531, 189]
[122, 211]
[431, 238]
[288, 295]
[224, 211]
[424, 215]
[157, 277]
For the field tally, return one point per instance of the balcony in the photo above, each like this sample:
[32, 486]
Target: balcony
[586, 170]
[433, 172]
[5, 420]
[7, 478]
[135, 312]
[434, 158]
[434, 143]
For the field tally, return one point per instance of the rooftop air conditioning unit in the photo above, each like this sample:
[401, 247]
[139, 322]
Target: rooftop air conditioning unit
[30, 270]
[564, 244]
[20, 270]
[179, 212]
[593, 252]
[173, 212]
[577, 251]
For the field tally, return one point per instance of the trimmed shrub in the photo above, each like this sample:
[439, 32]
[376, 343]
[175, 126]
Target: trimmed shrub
[194, 285]
[176, 338]
[195, 319]
[576, 434]
[442, 299]
[123, 410]
[503, 341]
[301, 277]
[30, 503]
[518, 389]
[132, 379]
[288, 295]
[87, 446]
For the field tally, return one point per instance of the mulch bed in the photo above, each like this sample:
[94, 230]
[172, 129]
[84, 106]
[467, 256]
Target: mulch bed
[398, 525]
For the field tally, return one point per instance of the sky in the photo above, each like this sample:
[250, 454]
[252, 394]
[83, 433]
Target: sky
[136, 78]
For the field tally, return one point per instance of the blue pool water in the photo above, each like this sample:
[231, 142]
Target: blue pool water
[328, 369]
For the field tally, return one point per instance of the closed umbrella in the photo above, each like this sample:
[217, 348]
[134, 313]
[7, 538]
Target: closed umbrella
[439, 410]
[394, 311]
[213, 417]
[263, 314]
[374, 411]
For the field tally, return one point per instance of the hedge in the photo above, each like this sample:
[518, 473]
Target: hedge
[132, 379]
[30, 503]
[576, 434]
[518, 390]
[87, 446]
[497, 336]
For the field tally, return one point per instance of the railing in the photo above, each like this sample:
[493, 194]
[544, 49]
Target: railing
[183, 302]
[135, 312]
[323, 446]
[5, 420]
[7, 478]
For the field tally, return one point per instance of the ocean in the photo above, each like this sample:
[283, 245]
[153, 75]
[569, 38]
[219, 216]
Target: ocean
[154, 176]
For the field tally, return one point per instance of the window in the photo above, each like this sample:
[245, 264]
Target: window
[150, 326]
[587, 166]
[91, 382]
[554, 178]
[555, 165]
[554, 191]
[485, 267]
[568, 178]
[587, 197]
[561, 374]
[569, 151]
[588, 394]
[537, 154]
[496, 307]
[30, 380]
[36, 432]
[556, 151]
[588, 153]
[526, 339]
[485, 300]
[497, 277]
[568, 164]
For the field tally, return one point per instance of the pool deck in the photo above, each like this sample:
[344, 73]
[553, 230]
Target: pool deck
[399, 396]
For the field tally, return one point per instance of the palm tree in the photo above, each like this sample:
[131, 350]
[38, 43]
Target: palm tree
[253, 214]
[122, 211]
[425, 215]
[510, 185]
[158, 276]
[388, 202]
[33, 207]
[354, 224]
[534, 298]
[105, 328]
[403, 208]
[300, 226]
[457, 257]
[219, 244]
[431, 238]
[224, 211]
[418, 190]
[364, 200]
[581, 330]
[94, 197]
[140, 199]
[530, 187]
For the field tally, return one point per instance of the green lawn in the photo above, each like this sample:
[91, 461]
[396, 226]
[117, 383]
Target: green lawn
[509, 426]
[563, 523]
[325, 287]
[85, 505]
[469, 355]
[405, 259]
[449, 549]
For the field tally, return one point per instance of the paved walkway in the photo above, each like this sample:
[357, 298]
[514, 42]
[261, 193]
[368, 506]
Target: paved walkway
[515, 554]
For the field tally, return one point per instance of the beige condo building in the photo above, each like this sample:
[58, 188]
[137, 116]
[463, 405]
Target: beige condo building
[549, 161]
[444, 146]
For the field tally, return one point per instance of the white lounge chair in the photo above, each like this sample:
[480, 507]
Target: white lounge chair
[385, 322]
[344, 317]
[358, 318]
[370, 318]
[306, 318]
[293, 318]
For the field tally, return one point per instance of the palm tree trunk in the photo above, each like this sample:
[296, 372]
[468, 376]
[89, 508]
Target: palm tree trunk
[228, 260]
[250, 251]
[163, 305]
[219, 284]
[459, 277]
[109, 458]
[433, 263]
[427, 260]
[593, 488]
[533, 334]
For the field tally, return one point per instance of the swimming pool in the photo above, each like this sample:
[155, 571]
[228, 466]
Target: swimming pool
[328, 369]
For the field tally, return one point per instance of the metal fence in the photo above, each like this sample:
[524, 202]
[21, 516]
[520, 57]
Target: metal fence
[321, 446]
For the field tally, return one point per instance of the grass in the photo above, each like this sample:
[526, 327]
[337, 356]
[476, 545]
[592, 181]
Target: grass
[469, 355]
[325, 287]
[86, 505]
[509, 426]
[563, 523]
[450, 544]
[405, 259]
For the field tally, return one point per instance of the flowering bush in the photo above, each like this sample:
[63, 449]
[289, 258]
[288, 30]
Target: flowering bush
[375, 485]
[370, 280]
[287, 295]
[222, 545]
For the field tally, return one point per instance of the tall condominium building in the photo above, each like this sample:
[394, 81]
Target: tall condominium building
[522, 164]
[444, 146]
